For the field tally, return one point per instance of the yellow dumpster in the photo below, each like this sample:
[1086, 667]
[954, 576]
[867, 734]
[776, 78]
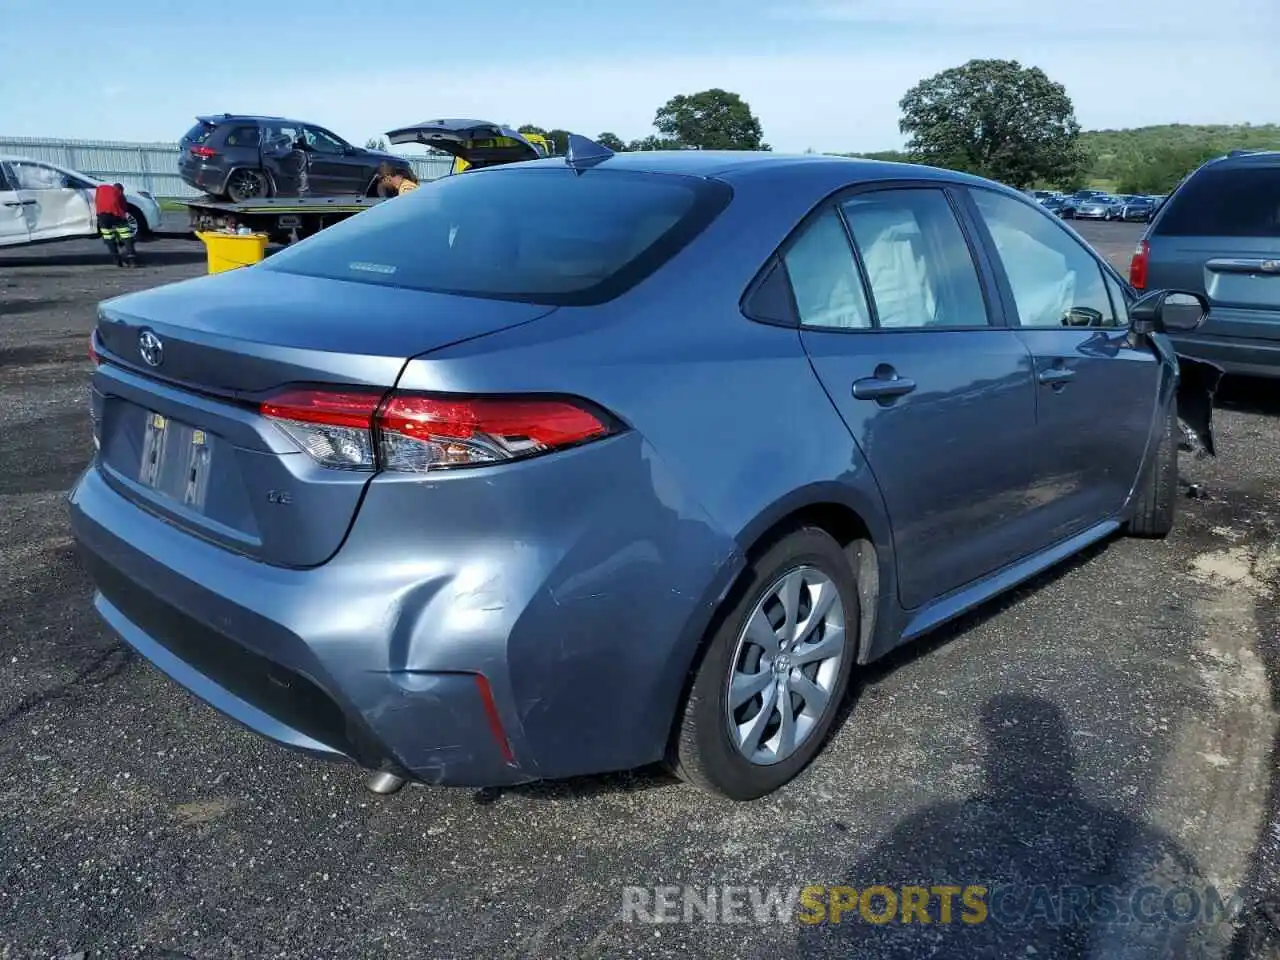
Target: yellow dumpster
[230, 250]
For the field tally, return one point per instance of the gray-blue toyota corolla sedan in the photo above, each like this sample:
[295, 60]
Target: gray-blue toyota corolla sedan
[575, 465]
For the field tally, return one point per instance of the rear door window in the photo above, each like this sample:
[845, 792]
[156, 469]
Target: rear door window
[1236, 201]
[245, 136]
[917, 261]
[540, 235]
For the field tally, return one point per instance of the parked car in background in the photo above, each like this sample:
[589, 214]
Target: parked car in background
[43, 201]
[496, 547]
[240, 157]
[1218, 234]
[1098, 207]
[1054, 204]
[1136, 209]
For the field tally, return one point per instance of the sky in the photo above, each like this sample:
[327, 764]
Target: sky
[825, 75]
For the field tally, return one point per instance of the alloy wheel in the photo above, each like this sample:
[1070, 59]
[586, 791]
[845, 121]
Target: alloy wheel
[785, 666]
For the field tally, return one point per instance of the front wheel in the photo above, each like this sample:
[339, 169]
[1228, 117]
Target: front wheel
[775, 671]
[1155, 507]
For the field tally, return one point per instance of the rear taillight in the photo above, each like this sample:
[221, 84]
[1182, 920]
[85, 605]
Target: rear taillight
[93, 351]
[414, 433]
[204, 153]
[1138, 266]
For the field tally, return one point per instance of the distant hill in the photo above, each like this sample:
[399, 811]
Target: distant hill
[1151, 159]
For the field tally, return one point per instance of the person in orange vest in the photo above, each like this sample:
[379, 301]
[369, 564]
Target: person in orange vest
[113, 223]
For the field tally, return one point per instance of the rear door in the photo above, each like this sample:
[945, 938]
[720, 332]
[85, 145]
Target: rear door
[1095, 391]
[906, 337]
[13, 220]
[56, 205]
[1220, 235]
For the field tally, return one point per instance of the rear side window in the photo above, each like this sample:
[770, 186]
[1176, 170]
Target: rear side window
[199, 133]
[540, 235]
[1225, 201]
[824, 276]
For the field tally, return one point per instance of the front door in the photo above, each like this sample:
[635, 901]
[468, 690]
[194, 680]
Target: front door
[13, 204]
[1095, 386]
[333, 171]
[60, 208]
[936, 393]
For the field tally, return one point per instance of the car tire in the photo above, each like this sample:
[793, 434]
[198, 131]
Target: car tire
[238, 185]
[1155, 507]
[137, 223]
[703, 752]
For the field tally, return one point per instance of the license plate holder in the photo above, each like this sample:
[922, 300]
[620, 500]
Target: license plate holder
[176, 460]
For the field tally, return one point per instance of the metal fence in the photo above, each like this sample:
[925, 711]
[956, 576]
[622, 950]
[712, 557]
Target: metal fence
[145, 166]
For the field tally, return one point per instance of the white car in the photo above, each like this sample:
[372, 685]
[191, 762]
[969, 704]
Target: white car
[42, 201]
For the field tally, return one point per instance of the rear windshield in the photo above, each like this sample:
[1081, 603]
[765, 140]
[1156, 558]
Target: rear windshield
[199, 132]
[1225, 202]
[541, 235]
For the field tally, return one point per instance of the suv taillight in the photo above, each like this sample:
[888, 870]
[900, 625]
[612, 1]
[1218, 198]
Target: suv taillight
[414, 433]
[1138, 266]
[204, 153]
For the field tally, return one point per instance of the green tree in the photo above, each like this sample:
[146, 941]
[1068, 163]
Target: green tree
[654, 142]
[711, 120]
[612, 141]
[997, 119]
[560, 138]
[375, 143]
[531, 128]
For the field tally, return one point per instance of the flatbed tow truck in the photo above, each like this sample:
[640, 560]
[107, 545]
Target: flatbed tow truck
[471, 143]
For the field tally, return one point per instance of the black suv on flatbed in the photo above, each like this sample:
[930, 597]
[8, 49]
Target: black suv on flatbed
[239, 157]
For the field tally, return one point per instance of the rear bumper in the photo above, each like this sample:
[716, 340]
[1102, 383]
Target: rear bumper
[1243, 357]
[582, 615]
[205, 178]
[208, 629]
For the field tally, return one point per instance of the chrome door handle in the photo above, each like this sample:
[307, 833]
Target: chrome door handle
[1055, 375]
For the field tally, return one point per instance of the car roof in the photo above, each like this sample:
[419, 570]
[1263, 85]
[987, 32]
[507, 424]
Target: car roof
[240, 117]
[731, 165]
[1247, 158]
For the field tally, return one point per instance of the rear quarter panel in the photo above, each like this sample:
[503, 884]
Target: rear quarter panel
[735, 428]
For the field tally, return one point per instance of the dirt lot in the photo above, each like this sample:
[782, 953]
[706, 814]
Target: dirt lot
[1112, 723]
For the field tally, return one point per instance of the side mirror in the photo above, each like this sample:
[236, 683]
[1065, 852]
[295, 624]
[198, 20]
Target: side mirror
[1168, 311]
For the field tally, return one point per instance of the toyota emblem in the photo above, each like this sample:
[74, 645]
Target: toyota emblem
[151, 348]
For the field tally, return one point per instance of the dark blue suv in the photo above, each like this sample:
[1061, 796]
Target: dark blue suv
[238, 157]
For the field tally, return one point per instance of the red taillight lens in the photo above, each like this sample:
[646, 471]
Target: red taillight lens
[93, 351]
[412, 433]
[418, 433]
[1138, 266]
[204, 153]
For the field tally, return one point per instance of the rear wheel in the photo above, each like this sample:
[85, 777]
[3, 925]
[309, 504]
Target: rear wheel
[1155, 508]
[775, 671]
[245, 185]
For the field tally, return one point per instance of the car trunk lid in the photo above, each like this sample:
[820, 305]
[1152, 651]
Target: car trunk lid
[1239, 276]
[177, 404]
[477, 143]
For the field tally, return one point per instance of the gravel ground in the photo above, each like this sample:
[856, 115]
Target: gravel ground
[1113, 722]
